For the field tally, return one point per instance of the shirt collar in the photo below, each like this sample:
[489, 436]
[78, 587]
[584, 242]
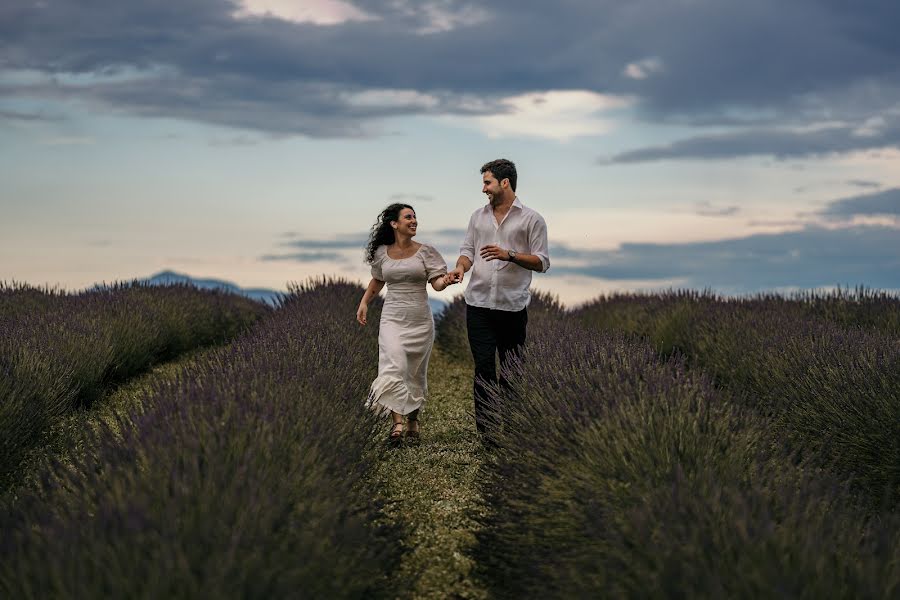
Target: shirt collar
[516, 203]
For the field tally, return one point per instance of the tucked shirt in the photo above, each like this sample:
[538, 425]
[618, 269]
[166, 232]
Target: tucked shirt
[501, 284]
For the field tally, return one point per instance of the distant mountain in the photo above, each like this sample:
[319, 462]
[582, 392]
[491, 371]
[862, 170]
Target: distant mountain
[267, 296]
[169, 277]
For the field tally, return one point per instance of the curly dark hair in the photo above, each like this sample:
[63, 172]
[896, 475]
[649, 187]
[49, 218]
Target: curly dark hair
[382, 233]
[502, 169]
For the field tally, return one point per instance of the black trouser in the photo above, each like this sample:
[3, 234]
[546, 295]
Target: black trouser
[492, 331]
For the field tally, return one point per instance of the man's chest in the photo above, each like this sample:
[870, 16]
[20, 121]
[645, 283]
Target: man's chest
[512, 229]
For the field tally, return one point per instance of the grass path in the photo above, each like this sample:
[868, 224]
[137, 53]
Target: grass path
[432, 489]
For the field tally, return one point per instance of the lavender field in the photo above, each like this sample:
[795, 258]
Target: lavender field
[689, 446]
[673, 445]
[59, 352]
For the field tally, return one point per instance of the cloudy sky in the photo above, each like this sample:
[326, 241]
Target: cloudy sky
[721, 144]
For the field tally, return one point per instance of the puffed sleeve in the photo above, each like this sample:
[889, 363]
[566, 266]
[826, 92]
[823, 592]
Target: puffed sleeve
[376, 264]
[435, 265]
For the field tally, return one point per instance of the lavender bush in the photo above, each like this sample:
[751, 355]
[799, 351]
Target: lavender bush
[450, 332]
[59, 352]
[620, 475]
[830, 389]
[875, 310]
[22, 299]
[667, 317]
[241, 478]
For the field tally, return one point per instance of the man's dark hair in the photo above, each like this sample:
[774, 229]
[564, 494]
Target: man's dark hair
[502, 169]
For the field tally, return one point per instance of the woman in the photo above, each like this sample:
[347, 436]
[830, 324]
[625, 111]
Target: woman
[406, 331]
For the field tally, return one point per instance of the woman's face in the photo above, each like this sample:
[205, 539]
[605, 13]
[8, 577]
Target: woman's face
[406, 222]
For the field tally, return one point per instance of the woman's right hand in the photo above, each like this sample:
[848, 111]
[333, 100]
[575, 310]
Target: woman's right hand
[361, 313]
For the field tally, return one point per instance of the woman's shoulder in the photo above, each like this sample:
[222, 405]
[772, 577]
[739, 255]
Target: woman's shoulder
[430, 256]
[428, 248]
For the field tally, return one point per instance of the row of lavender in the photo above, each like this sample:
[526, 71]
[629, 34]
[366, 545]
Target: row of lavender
[60, 351]
[623, 475]
[243, 477]
[823, 369]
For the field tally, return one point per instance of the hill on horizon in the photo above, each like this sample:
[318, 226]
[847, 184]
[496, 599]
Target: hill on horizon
[265, 295]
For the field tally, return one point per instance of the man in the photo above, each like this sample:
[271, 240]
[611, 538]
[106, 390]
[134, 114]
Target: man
[511, 242]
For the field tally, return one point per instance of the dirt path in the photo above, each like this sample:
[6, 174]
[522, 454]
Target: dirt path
[432, 488]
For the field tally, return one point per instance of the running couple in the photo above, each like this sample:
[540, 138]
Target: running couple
[504, 243]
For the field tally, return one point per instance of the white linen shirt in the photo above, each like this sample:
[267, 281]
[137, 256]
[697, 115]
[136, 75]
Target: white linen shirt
[501, 284]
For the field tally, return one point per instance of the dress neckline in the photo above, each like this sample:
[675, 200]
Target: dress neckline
[406, 257]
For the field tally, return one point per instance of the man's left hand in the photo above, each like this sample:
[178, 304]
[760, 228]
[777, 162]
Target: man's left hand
[492, 252]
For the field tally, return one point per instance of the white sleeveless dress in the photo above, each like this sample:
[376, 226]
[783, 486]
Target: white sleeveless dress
[406, 331]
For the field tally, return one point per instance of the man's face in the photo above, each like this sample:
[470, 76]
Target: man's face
[491, 187]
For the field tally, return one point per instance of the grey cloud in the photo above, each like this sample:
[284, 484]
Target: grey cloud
[338, 243]
[446, 241]
[723, 61]
[886, 203]
[27, 117]
[401, 197]
[811, 257]
[706, 209]
[240, 140]
[451, 232]
[777, 223]
[808, 257]
[780, 143]
[863, 183]
[353, 241]
[303, 257]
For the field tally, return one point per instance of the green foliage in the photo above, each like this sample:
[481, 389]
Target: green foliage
[824, 369]
[60, 352]
[620, 475]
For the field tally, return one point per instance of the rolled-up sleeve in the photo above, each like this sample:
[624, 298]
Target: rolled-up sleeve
[537, 241]
[468, 246]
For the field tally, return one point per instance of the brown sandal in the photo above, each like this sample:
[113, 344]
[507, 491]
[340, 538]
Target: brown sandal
[396, 435]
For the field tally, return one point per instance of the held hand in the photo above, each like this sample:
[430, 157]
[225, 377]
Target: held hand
[456, 275]
[493, 252]
[361, 313]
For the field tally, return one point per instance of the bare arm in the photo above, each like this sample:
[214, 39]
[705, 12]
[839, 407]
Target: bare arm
[440, 282]
[375, 286]
[463, 264]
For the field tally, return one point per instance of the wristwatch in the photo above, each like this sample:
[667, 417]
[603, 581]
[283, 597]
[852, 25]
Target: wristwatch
[512, 255]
